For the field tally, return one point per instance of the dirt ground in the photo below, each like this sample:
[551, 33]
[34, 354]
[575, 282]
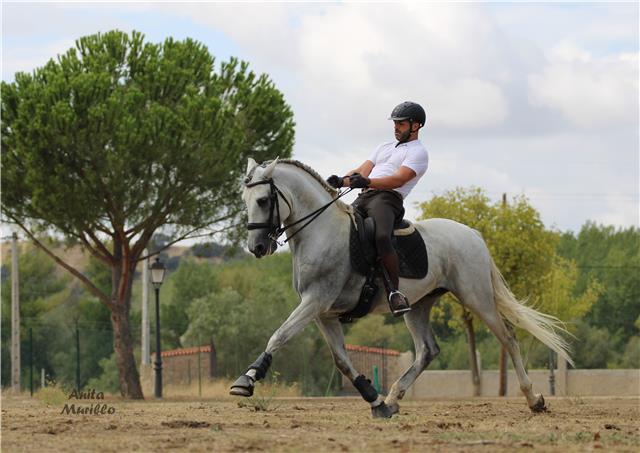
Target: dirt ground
[320, 424]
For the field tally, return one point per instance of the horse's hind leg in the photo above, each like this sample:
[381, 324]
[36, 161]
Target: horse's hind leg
[417, 320]
[480, 300]
[506, 336]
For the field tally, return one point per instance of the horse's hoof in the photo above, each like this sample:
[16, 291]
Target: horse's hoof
[394, 408]
[539, 406]
[382, 411]
[243, 386]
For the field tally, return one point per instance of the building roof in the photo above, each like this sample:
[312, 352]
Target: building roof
[369, 349]
[349, 347]
[185, 351]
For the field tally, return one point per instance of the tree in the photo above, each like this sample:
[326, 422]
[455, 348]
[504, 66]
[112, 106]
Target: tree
[254, 298]
[373, 331]
[612, 257]
[559, 296]
[520, 245]
[119, 138]
[191, 281]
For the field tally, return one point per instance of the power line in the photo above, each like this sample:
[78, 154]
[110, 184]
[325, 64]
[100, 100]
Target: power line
[607, 267]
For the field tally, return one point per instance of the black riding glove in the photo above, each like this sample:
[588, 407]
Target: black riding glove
[357, 181]
[335, 181]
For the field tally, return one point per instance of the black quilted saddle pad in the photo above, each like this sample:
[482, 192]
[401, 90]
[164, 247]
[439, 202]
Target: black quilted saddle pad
[412, 254]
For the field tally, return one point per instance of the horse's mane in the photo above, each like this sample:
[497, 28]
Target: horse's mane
[296, 163]
[312, 172]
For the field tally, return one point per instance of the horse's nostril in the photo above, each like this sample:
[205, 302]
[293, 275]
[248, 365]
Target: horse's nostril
[260, 249]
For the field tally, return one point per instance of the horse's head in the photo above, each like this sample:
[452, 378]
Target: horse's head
[266, 208]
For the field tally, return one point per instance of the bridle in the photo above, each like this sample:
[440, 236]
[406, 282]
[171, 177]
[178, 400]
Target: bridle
[275, 228]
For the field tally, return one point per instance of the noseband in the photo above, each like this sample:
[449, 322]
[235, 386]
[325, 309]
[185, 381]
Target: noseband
[275, 228]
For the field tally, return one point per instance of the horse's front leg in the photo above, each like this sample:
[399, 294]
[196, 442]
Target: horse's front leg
[334, 336]
[297, 320]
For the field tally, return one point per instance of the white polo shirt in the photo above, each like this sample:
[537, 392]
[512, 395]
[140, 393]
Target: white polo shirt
[387, 160]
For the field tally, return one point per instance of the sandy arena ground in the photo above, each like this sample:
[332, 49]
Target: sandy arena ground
[322, 424]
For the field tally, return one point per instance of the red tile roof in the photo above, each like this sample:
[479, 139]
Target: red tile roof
[207, 348]
[185, 351]
[356, 348]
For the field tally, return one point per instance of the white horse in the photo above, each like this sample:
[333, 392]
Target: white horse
[284, 191]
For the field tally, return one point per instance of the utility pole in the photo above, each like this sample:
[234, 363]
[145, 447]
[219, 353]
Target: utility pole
[502, 390]
[146, 357]
[15, 317]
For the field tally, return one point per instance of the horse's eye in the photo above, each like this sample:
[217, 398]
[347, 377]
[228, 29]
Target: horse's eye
[262, 202]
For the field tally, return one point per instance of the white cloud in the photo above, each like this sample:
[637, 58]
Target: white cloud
[590, 92]
[533, 98]
[468, 103]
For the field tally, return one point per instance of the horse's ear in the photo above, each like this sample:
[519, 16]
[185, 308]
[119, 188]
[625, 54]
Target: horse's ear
[250, 164]
[269, 170]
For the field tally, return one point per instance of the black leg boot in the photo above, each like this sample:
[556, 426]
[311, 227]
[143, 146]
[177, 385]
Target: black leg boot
[398, 303]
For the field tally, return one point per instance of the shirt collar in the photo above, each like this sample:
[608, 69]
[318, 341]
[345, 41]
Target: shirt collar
[411, 143]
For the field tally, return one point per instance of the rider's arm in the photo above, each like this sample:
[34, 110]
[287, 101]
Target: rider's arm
[398, 179]
[364, 170]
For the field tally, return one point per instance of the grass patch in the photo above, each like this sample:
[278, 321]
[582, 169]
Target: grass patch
[217, 388]
[265, 400]
[53, 394]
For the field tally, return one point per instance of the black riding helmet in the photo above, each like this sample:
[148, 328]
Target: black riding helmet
[409, 111]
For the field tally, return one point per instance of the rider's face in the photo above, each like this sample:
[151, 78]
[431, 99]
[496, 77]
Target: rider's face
[402, 129]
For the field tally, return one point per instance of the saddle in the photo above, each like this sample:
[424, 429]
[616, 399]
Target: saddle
[406, 240]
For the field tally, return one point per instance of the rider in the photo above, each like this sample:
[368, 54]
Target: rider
[386, 178]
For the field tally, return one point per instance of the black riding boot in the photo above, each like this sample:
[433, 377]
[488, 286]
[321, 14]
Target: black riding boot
[398, 303]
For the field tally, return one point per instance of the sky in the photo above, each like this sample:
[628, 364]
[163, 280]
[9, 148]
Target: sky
[533, 99]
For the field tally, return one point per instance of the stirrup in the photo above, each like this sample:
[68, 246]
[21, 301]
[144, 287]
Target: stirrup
[399, 307]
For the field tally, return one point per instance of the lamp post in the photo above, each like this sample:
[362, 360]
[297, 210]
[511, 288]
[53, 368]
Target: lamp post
[157, 275]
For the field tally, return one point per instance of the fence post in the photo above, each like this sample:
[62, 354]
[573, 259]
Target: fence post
[376, 381]
[77, 357]
[199, 372]
[562, 378]
[213, 363]
[31, 361]
[384, 383]
[552, 377]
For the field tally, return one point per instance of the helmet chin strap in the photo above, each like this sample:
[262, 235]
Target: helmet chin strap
[405, 137]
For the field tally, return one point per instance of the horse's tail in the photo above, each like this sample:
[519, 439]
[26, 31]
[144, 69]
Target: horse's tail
[542, 326]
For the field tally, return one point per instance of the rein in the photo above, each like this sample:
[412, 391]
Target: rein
[275, 229]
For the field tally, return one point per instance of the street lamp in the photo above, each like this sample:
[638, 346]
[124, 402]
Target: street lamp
[157, 275]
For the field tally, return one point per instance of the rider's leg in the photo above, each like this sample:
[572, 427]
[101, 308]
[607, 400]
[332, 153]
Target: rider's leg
[385, 208]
